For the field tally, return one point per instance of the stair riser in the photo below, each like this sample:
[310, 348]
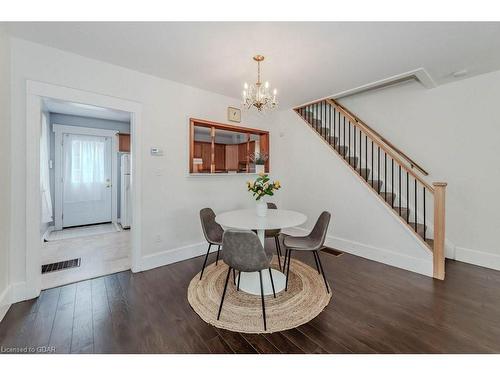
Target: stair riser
[364, 172]
[420, 229]
[389, 197]
[403, 213]
[342, 150]
[376, 184]
[353, 161]
[332, 140]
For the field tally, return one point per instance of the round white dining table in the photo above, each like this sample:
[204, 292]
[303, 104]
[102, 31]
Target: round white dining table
[248, 219]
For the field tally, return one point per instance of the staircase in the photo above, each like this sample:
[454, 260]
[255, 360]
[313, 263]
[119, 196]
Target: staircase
[394, 177]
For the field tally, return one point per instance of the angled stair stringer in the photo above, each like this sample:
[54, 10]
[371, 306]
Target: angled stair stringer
[384, 172]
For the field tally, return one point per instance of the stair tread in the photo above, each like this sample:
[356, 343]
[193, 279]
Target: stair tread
[352, 160]
[404, 210]
[420, 229]
[376, 184]
[388, 197]
[388, 194]
[364, 172]
[342, 150]
[419, 225]
[333, 140]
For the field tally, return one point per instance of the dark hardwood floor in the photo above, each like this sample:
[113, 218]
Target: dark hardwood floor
[375, 309]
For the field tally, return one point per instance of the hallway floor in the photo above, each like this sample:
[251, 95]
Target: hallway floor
[101, 254]
[84, 231]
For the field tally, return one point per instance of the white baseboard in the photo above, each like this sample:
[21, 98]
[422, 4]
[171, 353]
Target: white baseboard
[477, 257]
[422, 266]
[5, 302]
[20, 292]
[419, 265]
[174, 255]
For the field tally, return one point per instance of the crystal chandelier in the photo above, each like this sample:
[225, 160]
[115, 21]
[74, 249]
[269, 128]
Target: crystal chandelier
[258, 95]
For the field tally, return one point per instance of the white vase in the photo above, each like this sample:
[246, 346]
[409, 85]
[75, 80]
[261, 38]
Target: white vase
[260, 168]
[261, 208]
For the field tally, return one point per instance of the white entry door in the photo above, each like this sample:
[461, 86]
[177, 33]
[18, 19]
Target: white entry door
[86, 180]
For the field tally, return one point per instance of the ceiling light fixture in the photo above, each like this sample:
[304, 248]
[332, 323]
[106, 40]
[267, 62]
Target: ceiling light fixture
[258, 95]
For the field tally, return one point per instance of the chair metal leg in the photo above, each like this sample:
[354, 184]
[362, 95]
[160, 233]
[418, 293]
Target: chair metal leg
[272, 281]
[224, 293]
[205, 262]
[284, 262]
[234, 276]
[316, 261]
[323, 273]
[239, 278]
[262, 298]
[278, 251]
[278, 246]
[288, 268]
[217, 259]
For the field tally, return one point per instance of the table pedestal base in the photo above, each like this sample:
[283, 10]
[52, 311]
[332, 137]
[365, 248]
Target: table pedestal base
[250, 282]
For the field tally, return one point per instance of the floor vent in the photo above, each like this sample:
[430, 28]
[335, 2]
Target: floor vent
[331, 251]
[59, 266]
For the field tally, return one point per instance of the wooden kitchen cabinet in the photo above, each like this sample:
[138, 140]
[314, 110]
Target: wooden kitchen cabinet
[123, 142]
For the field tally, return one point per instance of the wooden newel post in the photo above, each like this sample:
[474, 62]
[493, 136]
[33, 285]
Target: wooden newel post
[439, 228]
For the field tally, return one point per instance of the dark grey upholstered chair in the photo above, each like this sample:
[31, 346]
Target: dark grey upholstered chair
[313, 242]
[244, 252]
[275, 233]
[213, 233]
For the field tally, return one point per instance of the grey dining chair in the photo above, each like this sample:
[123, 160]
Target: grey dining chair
[274, 233]
[312, 242]
[213, 233]
[243, 252]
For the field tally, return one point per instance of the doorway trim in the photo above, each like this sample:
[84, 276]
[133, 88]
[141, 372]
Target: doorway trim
[59, 130]
[35, 93]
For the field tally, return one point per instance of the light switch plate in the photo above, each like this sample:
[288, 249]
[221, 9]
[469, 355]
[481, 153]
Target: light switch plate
[155, 151]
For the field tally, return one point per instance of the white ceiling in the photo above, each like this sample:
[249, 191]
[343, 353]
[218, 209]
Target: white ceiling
[304, 61]
[85, 110]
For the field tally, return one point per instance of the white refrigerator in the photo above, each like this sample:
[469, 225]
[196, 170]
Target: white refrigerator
[125, 194]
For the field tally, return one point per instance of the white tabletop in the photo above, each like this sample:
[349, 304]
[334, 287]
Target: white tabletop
[248, 219]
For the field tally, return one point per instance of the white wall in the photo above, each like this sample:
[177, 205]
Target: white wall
[4, 171]
[453, 132]
[315, 179]
[170, 199]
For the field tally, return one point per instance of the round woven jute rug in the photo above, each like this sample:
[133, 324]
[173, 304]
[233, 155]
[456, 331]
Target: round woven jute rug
[305, 298]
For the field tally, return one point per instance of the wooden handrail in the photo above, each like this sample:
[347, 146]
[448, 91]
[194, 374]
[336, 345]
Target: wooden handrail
[376, 138]
[310, 103]
[401, 153]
